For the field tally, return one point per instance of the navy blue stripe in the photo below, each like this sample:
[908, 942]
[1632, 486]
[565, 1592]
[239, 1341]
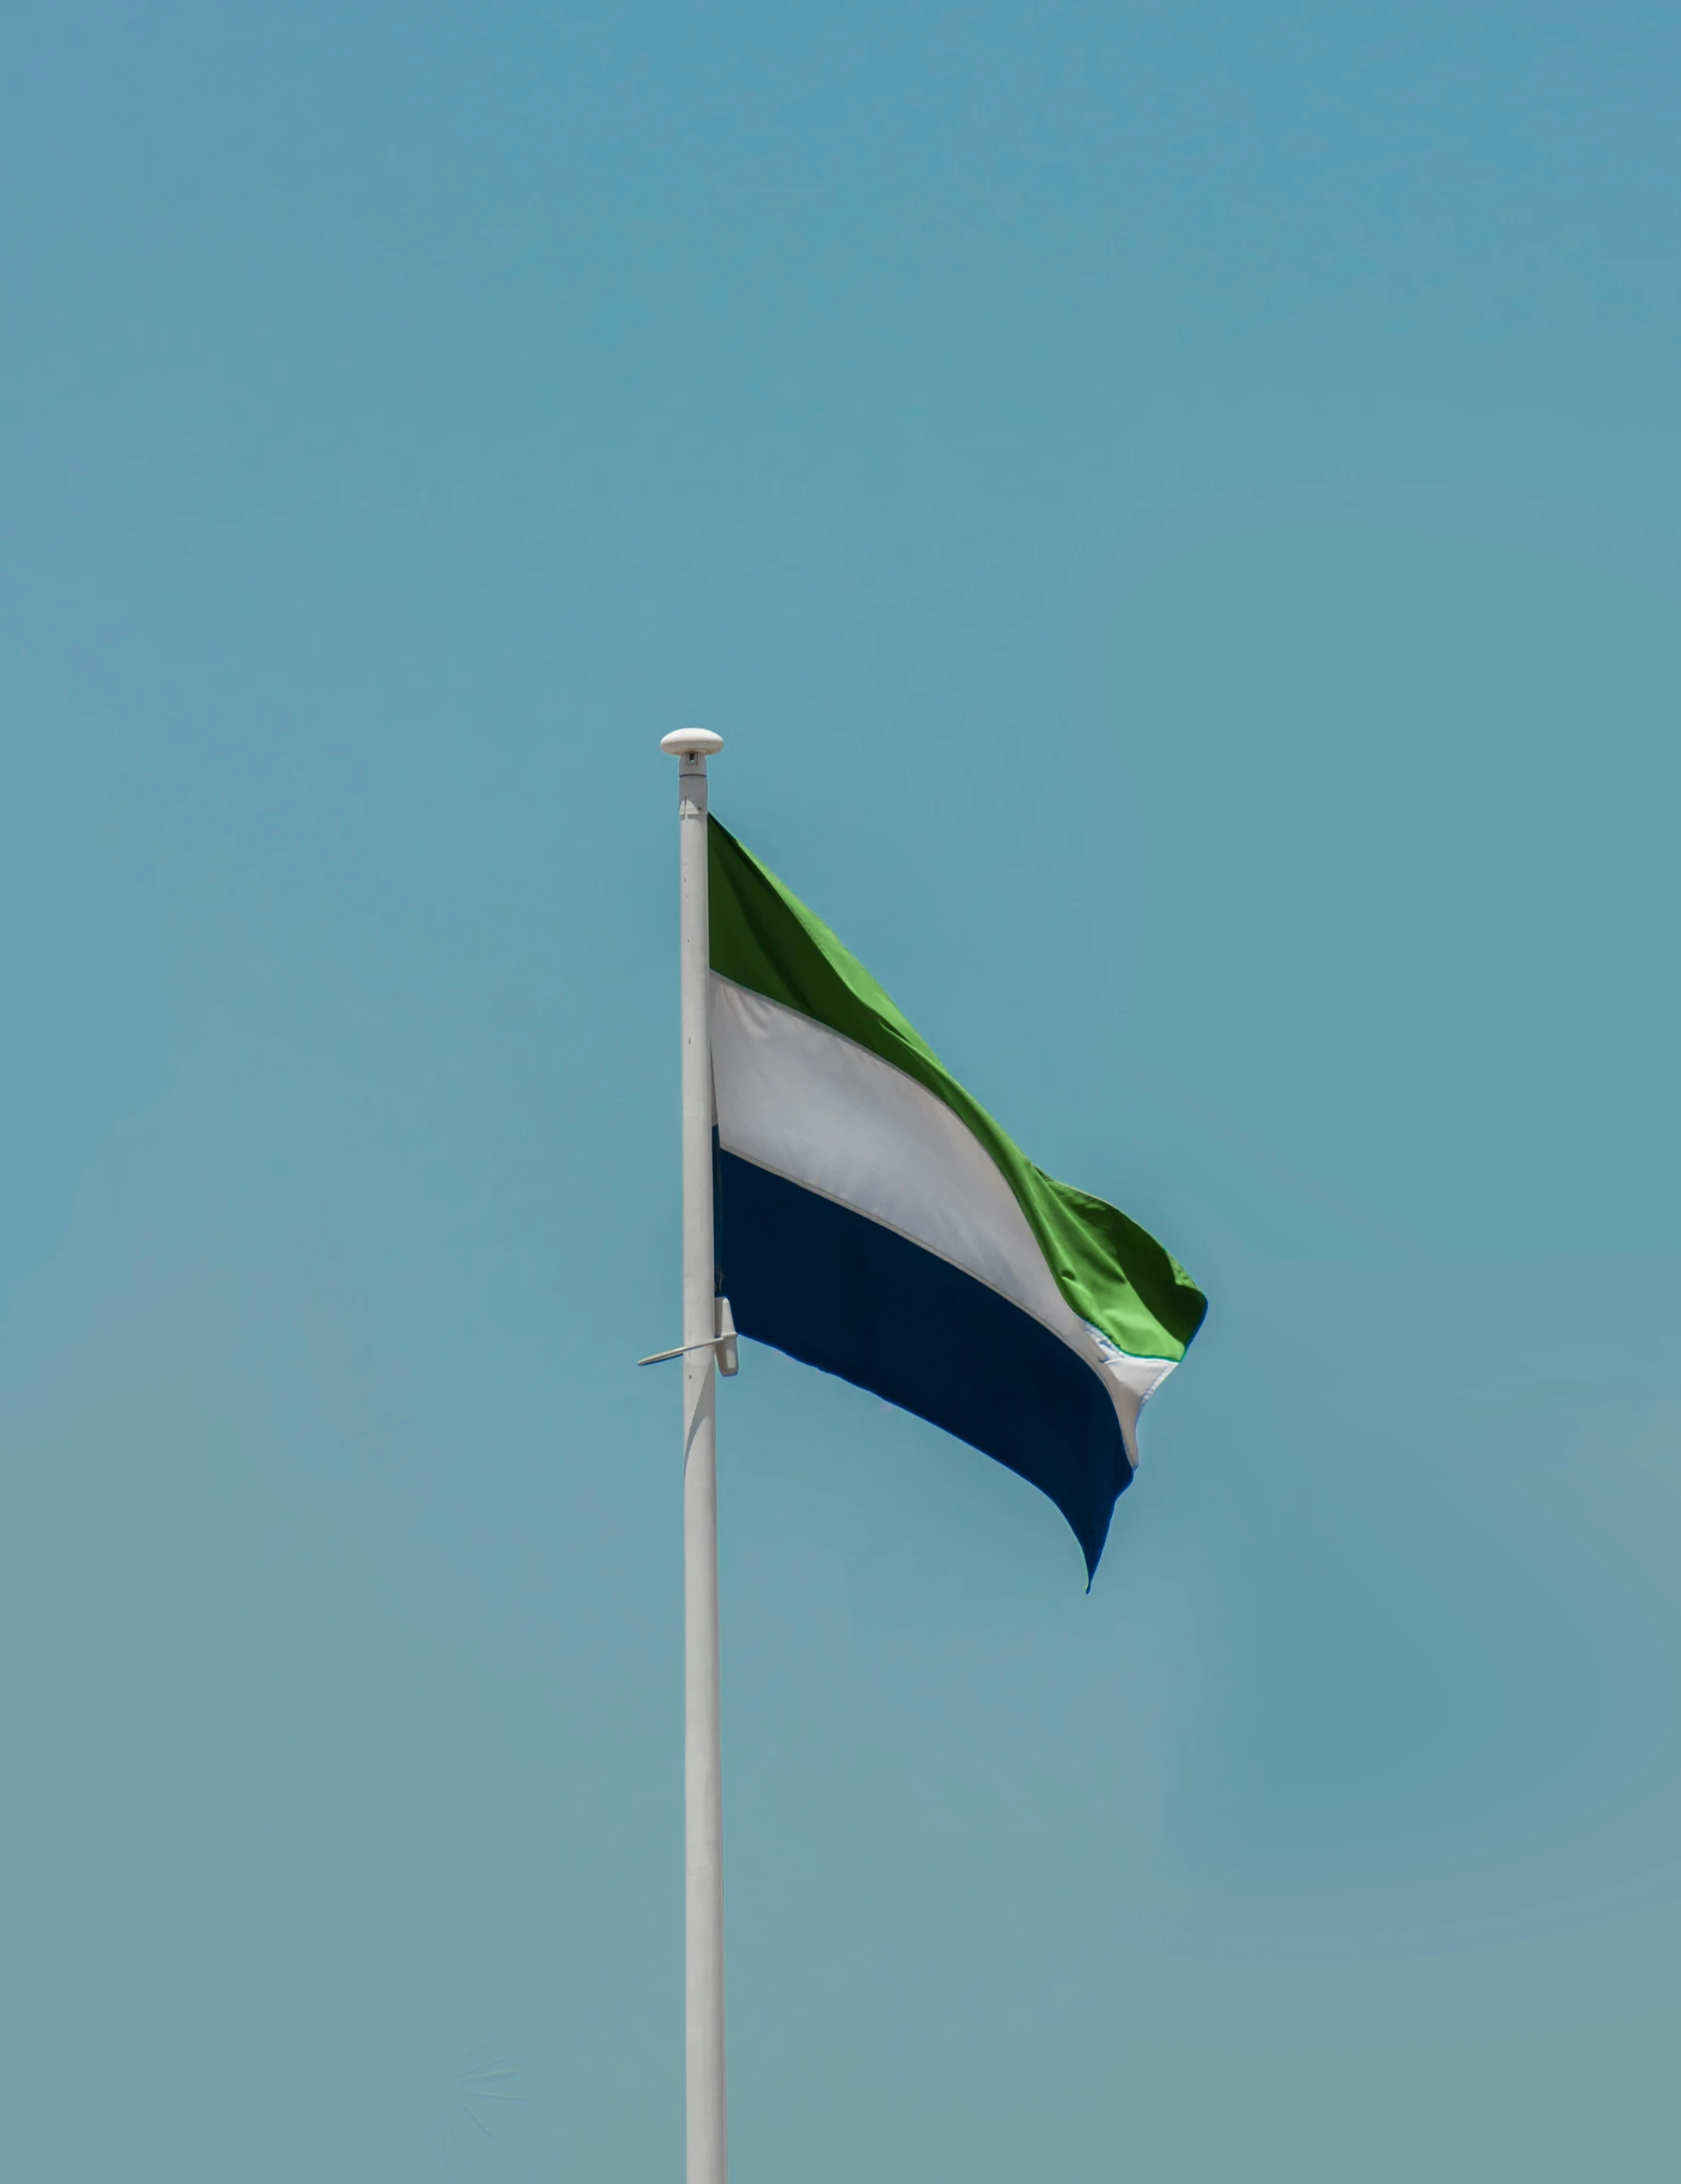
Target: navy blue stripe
[841, 1293]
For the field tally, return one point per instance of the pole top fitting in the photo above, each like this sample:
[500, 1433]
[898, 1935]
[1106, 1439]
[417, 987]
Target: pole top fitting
[692, 742]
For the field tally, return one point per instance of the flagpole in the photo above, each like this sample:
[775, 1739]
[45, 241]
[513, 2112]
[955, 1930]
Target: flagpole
[703, 1774]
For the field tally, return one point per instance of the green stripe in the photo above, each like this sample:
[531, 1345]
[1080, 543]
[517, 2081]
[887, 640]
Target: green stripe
[1111, 1272]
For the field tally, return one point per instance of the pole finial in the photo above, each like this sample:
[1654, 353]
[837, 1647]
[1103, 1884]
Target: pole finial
[692, 742]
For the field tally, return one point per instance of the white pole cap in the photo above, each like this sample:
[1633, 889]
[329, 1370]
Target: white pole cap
[692, 742]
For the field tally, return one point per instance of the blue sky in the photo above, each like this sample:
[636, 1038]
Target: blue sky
[1174, 511]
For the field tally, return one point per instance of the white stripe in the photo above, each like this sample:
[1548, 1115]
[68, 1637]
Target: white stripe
[798, 1098]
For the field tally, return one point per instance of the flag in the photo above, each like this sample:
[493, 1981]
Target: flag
[873, 1220]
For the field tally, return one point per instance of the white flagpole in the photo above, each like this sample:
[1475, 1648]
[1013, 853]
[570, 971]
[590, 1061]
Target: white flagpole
[703, 1774]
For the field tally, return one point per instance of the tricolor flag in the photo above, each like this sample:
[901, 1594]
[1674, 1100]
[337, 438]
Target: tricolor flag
[871, 1219]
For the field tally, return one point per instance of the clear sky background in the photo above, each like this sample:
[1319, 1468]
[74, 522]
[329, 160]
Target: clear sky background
[1174, 509]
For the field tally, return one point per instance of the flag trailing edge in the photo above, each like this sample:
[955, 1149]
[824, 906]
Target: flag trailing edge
[873, 1220]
